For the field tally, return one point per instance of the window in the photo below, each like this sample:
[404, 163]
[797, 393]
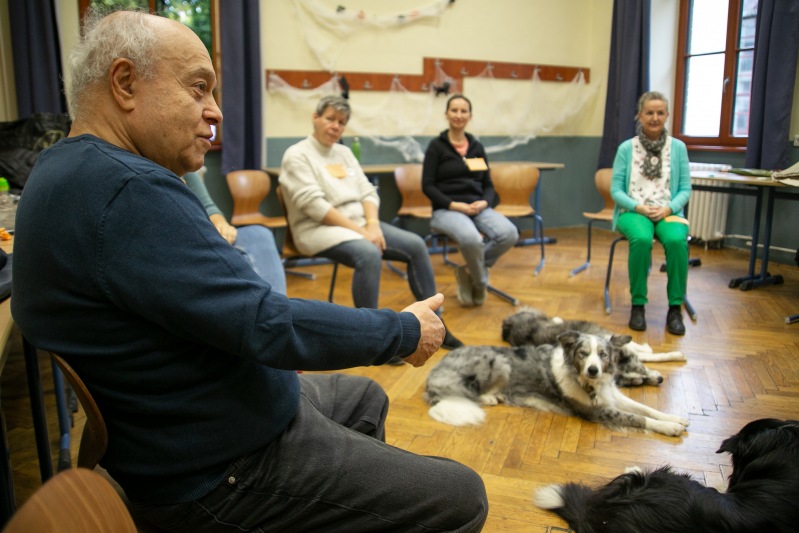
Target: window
[199, 15]
[714, 73]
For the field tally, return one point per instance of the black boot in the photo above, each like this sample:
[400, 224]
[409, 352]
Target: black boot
[450, 341]
[637, 318]
[674, 320]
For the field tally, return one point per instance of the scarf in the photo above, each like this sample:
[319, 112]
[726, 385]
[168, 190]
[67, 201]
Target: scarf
[653, 162]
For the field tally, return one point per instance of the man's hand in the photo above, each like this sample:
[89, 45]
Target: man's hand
[432, 329]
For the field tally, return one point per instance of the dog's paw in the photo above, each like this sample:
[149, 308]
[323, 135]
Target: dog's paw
[678, 419]
[674, 356]
[489, 399]
[557, 320]
[664, 427]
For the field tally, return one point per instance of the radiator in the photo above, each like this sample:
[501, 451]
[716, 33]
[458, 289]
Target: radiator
[707, 211]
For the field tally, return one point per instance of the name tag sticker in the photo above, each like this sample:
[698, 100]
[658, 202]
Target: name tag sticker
[476, 163]
[337, 170]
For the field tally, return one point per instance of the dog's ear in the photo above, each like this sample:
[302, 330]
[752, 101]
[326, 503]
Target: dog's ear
[569, 338]
[620, 340]
[507, 327]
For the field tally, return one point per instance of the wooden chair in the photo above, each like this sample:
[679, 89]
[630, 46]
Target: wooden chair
[514, 183]
[602, 179]
[249, 188]
[94, 441]
[416, 205]
[688, 307]
[76, 500]
[290, 251]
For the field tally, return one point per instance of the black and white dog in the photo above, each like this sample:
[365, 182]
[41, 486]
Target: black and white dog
[761, 493]
[574, 377]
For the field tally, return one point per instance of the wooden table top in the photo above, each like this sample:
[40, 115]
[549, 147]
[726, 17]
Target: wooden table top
[388, 168]
[729, 177]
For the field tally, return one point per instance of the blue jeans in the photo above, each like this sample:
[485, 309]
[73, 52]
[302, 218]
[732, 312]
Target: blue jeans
[481, 239]
[331, 471]
[401, 245]
[257, 244]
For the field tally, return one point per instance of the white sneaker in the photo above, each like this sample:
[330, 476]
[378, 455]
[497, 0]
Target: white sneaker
[464, 286]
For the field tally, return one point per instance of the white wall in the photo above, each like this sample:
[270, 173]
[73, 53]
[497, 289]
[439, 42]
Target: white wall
[574, 33]
[567, 32]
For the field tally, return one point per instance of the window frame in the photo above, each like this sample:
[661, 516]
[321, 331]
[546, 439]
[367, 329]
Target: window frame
[725, 141]
[216, 56]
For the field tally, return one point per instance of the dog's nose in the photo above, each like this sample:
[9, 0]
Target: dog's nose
[593, 371]
[660, 379]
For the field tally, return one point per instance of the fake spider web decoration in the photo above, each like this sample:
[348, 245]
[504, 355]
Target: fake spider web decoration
[517, 111]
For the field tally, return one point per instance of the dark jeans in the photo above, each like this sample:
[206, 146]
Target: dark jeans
[401, 245]
[330, 471]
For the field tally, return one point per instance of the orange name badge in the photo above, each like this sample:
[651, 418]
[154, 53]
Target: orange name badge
[476, 163]
[337, 170]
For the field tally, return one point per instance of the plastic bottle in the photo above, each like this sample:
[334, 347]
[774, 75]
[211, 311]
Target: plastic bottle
[356, 148]
[8, 211]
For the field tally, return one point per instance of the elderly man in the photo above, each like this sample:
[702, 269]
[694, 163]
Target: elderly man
[190, 356]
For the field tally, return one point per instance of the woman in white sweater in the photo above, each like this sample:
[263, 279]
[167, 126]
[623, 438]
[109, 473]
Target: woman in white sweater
[332, 209]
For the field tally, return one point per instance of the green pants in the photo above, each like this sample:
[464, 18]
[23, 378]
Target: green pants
[640, 231]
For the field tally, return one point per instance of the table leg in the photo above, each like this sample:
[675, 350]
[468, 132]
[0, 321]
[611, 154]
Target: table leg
[736, 282]
[765, 278]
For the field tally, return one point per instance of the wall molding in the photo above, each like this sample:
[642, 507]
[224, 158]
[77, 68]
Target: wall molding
[455, 68]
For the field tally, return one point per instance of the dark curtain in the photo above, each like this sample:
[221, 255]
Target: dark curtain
[241, 85]
[37, 57]
[773, 76]
[628, 74]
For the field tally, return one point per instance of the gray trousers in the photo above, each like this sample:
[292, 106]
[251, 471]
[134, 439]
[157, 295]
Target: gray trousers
[331, 471]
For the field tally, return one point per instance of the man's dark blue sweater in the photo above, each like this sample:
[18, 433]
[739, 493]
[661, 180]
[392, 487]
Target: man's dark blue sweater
[188, 353]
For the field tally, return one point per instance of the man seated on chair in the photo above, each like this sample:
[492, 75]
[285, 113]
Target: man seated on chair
[254, 242]
[189, 354]
[332, 210]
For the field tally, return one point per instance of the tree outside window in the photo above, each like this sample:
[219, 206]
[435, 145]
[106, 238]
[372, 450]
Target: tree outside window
[714, 73]
[196, 14]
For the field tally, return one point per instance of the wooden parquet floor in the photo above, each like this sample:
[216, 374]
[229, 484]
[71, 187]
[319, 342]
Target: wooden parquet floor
[743, 364]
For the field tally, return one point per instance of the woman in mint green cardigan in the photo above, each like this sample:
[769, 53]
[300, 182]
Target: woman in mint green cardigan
[651, 185]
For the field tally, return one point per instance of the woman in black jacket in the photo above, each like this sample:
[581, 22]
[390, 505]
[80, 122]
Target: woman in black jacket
[457, 180]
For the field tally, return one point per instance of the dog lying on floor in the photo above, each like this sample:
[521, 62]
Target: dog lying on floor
[761, 493]
[575, 377]
[532, 326]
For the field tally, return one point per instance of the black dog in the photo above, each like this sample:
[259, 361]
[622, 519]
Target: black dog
[761, 494]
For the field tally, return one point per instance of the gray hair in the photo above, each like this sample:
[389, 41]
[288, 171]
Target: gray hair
[652, 95]
[106, 38]
[338, 103]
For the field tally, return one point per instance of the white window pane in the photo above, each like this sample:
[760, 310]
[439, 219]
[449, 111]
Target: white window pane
[703, 91]
[743, 90]
[708, 29]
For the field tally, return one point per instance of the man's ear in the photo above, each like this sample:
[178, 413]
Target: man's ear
[122, 81]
